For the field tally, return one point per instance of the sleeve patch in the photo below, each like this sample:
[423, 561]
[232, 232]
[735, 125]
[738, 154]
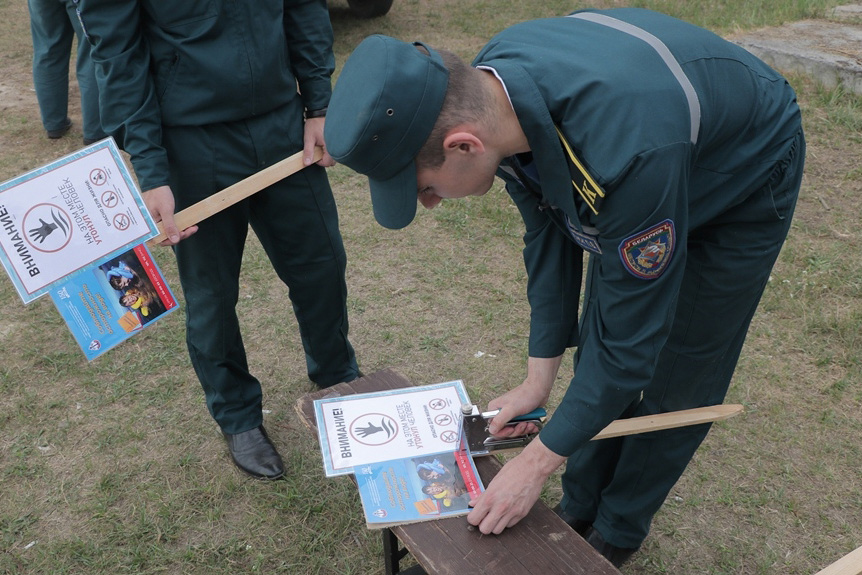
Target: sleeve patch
[647, 254]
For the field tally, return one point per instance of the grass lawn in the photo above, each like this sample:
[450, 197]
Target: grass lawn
[115, 466]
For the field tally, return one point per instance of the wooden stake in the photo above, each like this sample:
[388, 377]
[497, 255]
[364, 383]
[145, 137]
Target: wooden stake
[850, 564]
[647, 423]
[668, 420]
[232, 194]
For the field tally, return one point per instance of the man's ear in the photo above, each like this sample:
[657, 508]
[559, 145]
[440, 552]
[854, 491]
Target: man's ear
[463, 142]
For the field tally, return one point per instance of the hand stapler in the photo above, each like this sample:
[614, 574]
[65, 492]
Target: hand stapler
[480, 442]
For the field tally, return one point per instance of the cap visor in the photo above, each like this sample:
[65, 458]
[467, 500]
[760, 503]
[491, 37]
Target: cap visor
[394, 200]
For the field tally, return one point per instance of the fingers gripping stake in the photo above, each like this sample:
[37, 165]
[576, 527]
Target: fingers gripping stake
[232, 194]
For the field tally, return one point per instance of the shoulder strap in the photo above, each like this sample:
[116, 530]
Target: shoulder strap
[582, 181]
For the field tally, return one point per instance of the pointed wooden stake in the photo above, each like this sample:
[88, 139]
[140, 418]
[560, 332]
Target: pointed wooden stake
[232, 194]
[850, 564]
[668, 420]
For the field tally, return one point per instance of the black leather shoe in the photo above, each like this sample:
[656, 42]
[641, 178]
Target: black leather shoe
[254, 453]
[581, 526]
[88, 141]
[325, 385]
[60, 132]
[616, 555]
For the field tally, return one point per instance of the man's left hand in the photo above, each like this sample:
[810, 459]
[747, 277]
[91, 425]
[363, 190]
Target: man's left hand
[313, 136]
[512, 493]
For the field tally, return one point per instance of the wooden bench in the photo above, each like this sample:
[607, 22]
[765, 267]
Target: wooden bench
[540, 544]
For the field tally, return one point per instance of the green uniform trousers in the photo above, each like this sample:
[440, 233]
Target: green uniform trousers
[619, 484]
[53, 25]
[297, 223]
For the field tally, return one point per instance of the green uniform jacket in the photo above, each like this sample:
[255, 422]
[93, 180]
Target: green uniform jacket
[676, 132]
[198, 62]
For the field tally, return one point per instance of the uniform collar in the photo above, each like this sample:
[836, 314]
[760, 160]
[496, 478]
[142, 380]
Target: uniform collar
[537, 124]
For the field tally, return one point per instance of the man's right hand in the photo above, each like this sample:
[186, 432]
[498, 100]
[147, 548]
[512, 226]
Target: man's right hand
[160, 203]
[532, 393]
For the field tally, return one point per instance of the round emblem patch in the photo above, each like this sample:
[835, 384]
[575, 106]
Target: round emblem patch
[647, 254]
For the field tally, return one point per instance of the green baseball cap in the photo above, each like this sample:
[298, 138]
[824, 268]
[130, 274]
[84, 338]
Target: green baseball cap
[383, 107]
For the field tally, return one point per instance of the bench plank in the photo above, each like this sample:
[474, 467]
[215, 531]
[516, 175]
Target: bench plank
[540, 544]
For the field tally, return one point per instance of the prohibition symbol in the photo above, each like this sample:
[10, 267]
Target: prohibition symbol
[110, 199]
[437, 404]
[443, 419]
[122, 222]
[98, 176]
[449, 436]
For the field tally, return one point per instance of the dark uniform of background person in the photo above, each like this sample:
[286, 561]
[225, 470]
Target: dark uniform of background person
[696, 151]
[53, 26]
[202, 95]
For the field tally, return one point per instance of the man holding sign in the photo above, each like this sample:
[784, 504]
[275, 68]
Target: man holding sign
[202, 95]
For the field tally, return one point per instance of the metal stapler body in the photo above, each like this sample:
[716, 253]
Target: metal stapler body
[480, 442]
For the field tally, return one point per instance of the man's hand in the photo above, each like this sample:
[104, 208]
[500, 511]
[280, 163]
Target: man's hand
[313, 136]
[532, 393]
[515, 489]
[160, 203]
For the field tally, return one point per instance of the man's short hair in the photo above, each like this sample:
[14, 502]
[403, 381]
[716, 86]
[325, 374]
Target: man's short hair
[394, 102]
[467, 101]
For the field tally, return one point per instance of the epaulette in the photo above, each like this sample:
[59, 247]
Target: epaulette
[591, 192]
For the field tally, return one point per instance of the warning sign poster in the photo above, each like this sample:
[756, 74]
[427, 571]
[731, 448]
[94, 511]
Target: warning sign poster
[373, 427]
[66, 215]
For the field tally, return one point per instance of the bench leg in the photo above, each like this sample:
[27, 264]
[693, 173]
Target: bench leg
[393, 554]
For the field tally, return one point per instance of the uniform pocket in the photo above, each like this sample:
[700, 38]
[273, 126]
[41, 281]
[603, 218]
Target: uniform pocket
[165, 76]
[785, 179]
[172, 14]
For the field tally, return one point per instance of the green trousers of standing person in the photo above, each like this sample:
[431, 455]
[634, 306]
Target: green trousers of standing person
[295, 220]
[53, 26]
